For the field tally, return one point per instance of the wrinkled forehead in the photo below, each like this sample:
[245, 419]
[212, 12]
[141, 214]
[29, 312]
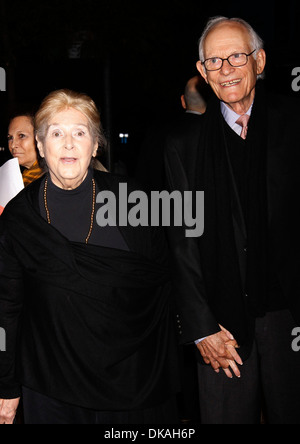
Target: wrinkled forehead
[227, 38]
[68, 116]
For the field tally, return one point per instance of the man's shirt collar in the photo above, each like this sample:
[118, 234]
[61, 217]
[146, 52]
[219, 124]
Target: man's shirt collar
[231, 117]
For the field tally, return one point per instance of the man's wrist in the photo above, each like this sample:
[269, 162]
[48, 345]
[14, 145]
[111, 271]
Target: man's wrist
[200, 340]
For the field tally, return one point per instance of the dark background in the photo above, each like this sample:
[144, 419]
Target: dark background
[132, 57]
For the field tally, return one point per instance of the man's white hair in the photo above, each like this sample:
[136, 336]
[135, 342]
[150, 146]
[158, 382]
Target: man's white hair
[255, 40]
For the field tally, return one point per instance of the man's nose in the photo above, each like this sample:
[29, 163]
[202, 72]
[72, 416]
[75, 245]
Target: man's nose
[227, 68]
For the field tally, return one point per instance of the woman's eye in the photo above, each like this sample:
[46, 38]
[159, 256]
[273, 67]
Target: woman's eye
[80, 133]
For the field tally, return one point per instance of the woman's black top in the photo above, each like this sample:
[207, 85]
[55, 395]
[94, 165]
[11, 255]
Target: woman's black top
[70, 213]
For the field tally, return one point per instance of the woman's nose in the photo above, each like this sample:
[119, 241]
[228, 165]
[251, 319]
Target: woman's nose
[12, 144]
[69, 143]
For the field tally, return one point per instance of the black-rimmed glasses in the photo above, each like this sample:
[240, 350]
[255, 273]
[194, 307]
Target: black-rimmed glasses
[236, 60]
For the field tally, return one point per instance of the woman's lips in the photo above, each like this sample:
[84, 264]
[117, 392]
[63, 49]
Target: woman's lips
[68, 160]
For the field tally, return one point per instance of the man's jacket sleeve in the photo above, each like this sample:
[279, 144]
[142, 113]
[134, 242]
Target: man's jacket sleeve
[195, 318]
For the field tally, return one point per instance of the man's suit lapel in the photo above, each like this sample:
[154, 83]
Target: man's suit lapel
[238, 219]
[236, 206]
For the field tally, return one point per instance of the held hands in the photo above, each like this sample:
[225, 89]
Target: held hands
[219, 351]
[8, 410]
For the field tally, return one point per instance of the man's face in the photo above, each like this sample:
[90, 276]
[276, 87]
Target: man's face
[234, 86]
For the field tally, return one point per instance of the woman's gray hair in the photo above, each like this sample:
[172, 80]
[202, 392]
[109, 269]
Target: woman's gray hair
[256, 41]
[63, 99]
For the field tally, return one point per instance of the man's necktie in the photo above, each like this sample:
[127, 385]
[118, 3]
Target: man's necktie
[243, 122]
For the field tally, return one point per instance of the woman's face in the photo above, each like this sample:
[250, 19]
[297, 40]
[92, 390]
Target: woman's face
[21, 141]
[68, 148]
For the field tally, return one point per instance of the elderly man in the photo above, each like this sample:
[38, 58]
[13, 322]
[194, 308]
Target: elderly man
[238, 285]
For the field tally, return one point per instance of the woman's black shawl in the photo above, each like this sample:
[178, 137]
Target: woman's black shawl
[87, 325]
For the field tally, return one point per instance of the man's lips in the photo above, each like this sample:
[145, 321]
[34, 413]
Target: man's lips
[231, 83]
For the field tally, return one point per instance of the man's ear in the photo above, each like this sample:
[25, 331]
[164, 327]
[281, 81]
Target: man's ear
[40, 147]
[202, 70]
[261, 61]
[183, 102]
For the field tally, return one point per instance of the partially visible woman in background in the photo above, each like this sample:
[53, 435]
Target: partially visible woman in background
[22, 145]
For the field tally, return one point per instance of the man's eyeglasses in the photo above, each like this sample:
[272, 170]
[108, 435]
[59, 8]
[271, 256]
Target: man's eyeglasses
[236, 60]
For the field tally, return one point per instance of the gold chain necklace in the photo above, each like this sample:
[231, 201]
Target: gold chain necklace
[93, 208]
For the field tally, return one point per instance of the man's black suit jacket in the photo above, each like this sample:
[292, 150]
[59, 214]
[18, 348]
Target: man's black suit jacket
[186, 152]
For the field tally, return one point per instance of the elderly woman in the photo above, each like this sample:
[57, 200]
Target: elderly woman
[90, 335]
[22, 145]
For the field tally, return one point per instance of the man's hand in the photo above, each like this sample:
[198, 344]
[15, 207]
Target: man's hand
[219, 350]
[8, 410]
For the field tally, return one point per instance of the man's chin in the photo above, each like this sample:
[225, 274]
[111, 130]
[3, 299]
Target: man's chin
[232, 99]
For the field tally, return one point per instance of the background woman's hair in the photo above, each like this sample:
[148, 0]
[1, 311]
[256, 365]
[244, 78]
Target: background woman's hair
[21, 113]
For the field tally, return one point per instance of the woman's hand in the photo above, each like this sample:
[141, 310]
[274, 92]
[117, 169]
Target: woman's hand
[8, 410]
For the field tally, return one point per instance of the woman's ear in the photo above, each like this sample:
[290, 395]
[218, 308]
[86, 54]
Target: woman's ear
[40, 147]
[96, 147]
